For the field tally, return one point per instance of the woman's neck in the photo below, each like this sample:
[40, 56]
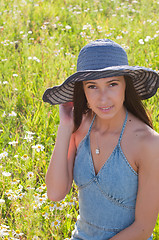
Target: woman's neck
[112, 125]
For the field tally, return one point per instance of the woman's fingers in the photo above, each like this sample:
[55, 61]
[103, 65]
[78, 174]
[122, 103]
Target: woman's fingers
[66, 113]
[67, 104]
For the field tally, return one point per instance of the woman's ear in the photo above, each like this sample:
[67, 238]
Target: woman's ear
[88, 106]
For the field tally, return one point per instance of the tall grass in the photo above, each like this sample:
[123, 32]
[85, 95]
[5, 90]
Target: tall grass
[39, 45]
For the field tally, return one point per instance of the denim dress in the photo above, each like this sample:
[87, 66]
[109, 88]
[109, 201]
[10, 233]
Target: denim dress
[107, 199]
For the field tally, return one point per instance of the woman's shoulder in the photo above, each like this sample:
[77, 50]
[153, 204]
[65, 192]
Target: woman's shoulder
[145, 139]
[144, 131]
[150, 143]
[148, 159]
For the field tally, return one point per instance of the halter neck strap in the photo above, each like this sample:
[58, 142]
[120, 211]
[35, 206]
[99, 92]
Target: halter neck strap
[122, 131]
[124, 124]
[91, 124]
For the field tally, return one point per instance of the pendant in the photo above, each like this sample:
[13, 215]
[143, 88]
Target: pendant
[97, 151]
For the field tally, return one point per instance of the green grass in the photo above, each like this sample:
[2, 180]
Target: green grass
[39, 45]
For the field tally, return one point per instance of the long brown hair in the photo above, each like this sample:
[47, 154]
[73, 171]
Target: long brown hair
[132, 103]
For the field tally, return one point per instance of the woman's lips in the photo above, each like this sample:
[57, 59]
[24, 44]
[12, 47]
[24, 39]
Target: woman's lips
[105, 109]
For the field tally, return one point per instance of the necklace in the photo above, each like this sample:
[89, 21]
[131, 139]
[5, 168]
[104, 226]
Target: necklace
[97, 150]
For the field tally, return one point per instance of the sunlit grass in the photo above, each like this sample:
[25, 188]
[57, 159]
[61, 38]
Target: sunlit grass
[39, 45]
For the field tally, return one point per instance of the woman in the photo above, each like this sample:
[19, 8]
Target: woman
[106, 143]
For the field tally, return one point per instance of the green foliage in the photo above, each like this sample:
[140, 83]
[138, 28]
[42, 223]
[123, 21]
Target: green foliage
[39, 45]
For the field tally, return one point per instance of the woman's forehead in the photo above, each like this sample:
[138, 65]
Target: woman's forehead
[108, 79]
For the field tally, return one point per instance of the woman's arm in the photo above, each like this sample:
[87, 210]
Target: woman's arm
[59, 176]
[147, 204]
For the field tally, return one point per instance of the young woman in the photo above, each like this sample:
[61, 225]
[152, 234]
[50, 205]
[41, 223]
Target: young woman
[107, 145]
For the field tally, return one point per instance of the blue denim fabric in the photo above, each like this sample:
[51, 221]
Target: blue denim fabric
[107, 199]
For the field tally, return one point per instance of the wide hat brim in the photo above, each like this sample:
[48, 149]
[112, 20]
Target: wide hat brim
[145, 80]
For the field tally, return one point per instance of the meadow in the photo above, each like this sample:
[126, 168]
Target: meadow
[39, 45]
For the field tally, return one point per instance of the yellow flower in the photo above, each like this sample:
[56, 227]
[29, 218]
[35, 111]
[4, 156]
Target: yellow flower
[46, 207]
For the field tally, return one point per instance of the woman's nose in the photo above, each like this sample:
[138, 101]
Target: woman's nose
[103, 95]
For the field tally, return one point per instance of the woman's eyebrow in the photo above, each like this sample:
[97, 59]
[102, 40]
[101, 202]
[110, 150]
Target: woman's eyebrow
[92, 82]
[113, 80]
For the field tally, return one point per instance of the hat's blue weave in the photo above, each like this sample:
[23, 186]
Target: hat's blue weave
[101, 54]
[100, 59]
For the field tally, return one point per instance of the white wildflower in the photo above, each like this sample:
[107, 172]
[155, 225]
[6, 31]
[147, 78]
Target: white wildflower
[30, 174]
[25, 157]
[141, 41]
[44, 196]
[21, 195]
[36, 59]
[35, 206]
[67, 27]
[20, 187]
[41, 200]
[40, 189]
[6, 174]
[147, 38]
[19, 209]
[99, 27]
[52, 207]
[15, 181]
[3, 155]
[30, 133]
[119, 37]
[13, 143]
[29, 138]
[12, 114]
[43, 27]
[45, 215]
[17, 233]
[56, 223]
[43, 186]
[28, 187]
[38, 147]
[58, 206]
[2, 201]
[36, 195]
[3, 60]
[24, 36]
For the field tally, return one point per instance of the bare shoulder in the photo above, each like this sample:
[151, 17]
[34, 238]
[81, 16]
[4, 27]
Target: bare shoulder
[141, 142]
[150, 147]
[147, 140]
[83, 129]
[150, 141]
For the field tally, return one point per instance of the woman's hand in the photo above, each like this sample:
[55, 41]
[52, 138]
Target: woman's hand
[59, 175]
[66, 114]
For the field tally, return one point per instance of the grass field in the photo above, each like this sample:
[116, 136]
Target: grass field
[39, 45]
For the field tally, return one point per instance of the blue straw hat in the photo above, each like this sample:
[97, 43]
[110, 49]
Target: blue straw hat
[100, 59]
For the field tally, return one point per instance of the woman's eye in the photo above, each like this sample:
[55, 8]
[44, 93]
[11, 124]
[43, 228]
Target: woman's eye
[92, 86]
[113, 84]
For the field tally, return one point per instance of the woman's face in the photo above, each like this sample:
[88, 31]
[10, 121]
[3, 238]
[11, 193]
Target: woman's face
[105, 96]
